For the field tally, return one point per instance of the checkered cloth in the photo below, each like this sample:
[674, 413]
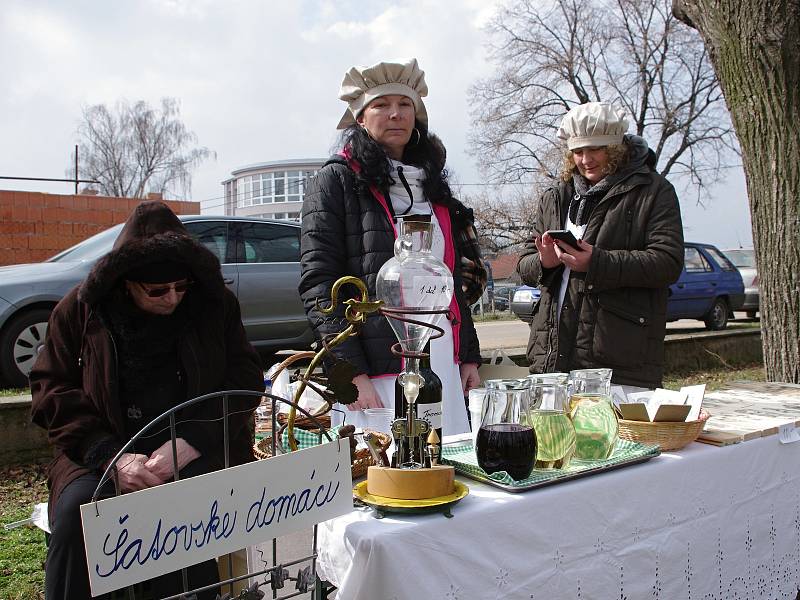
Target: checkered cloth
[462, 457]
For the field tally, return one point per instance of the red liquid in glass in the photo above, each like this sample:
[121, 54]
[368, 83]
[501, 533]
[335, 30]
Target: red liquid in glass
[506, 447]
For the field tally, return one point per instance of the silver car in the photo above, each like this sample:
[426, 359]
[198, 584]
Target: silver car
[744, 259]
[260, 264]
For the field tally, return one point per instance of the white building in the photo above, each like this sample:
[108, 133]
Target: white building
[272, 190]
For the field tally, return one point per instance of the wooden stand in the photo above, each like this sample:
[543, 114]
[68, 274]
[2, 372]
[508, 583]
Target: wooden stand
[411, 484]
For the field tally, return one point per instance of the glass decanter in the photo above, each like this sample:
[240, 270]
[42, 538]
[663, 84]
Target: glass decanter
[592, 412]
[416, 289]
[506, 441]
[555, 434]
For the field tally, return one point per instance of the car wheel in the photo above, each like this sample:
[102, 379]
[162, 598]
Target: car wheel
[717, 317]
[751, 314]
[21, 343]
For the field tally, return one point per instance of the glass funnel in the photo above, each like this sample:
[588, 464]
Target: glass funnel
[416, 289]
[416, 285]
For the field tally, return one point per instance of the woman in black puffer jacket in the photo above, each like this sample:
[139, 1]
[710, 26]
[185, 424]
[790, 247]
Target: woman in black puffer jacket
[390, 166]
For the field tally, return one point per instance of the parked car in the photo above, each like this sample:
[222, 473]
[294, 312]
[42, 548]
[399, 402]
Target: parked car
[501, 295]
[522, 302]
[710, 288]
[260, 264]
[500, 304]
[744, 259]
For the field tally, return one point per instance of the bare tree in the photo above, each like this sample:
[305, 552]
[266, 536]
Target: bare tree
[503, 223]
[755, 49]
[137, 149]
[551, 57]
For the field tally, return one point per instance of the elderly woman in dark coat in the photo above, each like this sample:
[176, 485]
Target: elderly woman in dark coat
[390, 166]
[604, 304]
[152, 325]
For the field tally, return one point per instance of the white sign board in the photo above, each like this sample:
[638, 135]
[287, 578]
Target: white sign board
[138, 536]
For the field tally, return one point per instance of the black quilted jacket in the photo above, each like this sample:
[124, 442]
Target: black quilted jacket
[346, 231]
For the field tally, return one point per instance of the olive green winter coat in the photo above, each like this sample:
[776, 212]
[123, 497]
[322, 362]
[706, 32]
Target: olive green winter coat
[614, 315]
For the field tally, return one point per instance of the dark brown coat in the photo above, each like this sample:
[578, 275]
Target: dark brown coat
[73, 380]
[618, 315]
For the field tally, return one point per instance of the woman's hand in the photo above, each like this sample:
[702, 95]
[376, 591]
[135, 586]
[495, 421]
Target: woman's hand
[133, 474]
[367, 394]
[469, 377]
[547, 251]
[160, 462]
[577, 260]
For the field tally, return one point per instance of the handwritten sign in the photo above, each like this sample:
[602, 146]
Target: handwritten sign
[138, 536]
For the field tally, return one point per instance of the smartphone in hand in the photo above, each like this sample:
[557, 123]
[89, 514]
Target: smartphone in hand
[565, 236]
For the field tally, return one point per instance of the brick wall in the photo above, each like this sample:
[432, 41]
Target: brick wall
[35, 226]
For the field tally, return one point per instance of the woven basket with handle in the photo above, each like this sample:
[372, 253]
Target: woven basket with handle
[306, 430]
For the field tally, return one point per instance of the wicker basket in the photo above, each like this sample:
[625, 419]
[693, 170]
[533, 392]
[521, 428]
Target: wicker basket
[670, 435]
[362, 459]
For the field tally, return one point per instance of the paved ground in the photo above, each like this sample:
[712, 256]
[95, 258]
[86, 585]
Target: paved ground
[514, 334]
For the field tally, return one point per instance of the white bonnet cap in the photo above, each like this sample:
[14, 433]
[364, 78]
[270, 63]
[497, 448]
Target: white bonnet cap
[593, 124]
[361, 85]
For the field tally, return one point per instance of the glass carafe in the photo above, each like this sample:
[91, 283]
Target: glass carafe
[592, 413]
[520, 389]
[555, 434]
[506, 441]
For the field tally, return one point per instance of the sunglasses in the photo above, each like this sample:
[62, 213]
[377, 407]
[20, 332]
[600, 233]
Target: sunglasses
[160, 291]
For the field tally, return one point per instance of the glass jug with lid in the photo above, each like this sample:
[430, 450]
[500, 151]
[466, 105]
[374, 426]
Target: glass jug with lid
[592, 413]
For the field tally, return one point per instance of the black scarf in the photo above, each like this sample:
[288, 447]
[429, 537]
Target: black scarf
[150, 378]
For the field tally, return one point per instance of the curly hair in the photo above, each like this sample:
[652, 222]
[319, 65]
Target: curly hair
[427, 154]
[618, 157]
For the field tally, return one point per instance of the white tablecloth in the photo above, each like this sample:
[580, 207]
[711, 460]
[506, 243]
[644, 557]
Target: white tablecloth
[703, 523]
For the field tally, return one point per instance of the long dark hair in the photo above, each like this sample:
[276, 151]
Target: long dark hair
[427, 153]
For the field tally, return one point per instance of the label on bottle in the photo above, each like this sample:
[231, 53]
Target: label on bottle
[432, 413]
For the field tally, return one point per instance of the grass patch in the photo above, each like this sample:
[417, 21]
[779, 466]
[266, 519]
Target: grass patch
[14, 391]
[22, 550]
[495, 316]
[716, 378]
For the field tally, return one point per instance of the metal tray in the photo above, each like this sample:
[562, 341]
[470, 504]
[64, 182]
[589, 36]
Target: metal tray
[626, 453]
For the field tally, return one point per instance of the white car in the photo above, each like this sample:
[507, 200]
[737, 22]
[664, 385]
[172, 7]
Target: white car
[744, 259]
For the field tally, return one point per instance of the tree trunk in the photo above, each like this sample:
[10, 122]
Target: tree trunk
[755, 48]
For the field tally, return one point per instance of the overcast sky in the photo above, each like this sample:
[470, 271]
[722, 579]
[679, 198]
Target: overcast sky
[257, 81]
